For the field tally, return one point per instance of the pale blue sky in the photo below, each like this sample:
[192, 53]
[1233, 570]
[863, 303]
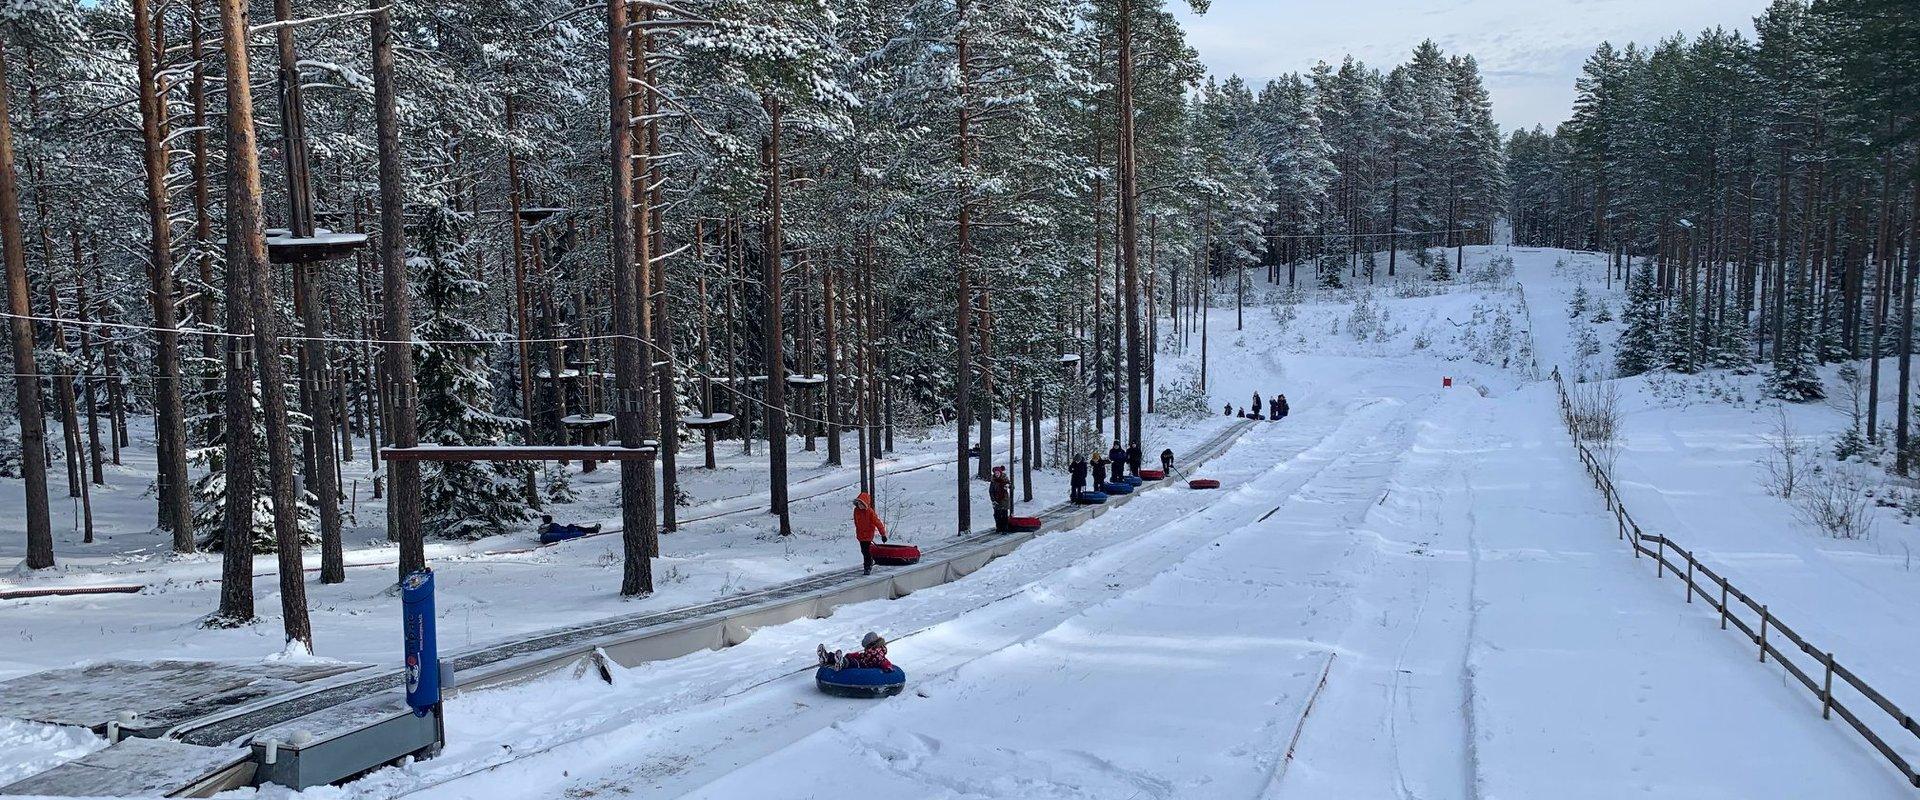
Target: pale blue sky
[1529, 50]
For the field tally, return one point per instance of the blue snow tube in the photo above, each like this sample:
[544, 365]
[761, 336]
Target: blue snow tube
[1134, 480]
[1117, 487]
[861, 681]
[1088, 498]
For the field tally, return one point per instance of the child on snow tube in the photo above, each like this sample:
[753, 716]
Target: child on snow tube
[866, 673]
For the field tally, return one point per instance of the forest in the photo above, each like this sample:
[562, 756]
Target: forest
[1769, 189]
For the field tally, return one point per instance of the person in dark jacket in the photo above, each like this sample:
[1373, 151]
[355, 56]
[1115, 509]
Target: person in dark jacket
[1226, 410]
[1166, 461]
[1255, 408]
[1078, 469]
[1273, 408]
[1117, 461]
[1283, 407]
[1133, 458]
[1098, 465]
[1000, 491]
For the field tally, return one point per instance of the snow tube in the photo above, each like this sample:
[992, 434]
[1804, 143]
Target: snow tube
[1203, 483]
[1134, 480]
[1255, 416]
[1024, 524]
[1117, 487]
[1153, 474]
[1087, 498]
[860, 681]
[895, 555]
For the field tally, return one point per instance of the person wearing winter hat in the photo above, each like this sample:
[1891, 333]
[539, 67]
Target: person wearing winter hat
[866, 523]
[872, 655]
[1000, 490]
[1117, 461]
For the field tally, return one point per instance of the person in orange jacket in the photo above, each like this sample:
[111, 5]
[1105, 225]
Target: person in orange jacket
[866, 523]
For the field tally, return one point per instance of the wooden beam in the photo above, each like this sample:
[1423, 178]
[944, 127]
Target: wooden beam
[518, 453]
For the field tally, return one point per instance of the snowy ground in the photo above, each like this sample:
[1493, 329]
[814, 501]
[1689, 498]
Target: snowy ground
[1404, 591]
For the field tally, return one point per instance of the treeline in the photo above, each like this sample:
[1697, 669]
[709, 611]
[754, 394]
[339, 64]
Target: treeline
[1364, 162]
[1760, 196]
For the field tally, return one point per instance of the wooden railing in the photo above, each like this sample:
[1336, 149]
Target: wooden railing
[1815, 668]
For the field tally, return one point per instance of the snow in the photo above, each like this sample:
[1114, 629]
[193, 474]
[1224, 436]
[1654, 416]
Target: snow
[1403, 590]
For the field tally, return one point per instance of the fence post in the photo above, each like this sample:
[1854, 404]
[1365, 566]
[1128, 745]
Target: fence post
[1620, 525]
[1764, 619]
[1660, 557]
[1689, 575]
[1723, 603]
[1826, 690]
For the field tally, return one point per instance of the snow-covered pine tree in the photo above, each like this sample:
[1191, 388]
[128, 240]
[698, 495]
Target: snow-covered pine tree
[1639, 347]
[459, 499]
[1680, 335]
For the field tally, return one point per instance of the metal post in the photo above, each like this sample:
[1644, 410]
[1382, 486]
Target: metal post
[1660, 558]
[1723, 604]
[1689, 575]
[1764, 619]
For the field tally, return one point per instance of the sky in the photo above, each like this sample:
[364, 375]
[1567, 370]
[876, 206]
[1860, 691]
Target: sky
[1529, 51]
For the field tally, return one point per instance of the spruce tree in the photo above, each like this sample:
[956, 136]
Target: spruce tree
[459, 499]
[1639, 347]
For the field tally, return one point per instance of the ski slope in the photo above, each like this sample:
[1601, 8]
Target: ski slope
[1403, 592]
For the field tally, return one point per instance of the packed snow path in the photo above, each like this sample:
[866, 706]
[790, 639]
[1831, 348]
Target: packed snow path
[1403, 593]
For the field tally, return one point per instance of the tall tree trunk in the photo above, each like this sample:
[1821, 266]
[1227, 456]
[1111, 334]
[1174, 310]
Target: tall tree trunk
[629, 253]
[322, 459]
[1904, 462]
[1129, 221]
[403, 504]
[247, 257]
[963, 290]
[772, 245]
[170, 432]
[658, 327]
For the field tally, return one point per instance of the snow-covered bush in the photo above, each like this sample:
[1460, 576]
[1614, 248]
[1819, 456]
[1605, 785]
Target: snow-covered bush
[1785, 461]
[1496, 271]
[1364, 319]
[1838, 502]
[1182, 398]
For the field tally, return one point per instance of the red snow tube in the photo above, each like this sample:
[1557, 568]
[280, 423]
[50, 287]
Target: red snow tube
[1203, 483]
[1153, 474]
[1024, 523]
[898, 555]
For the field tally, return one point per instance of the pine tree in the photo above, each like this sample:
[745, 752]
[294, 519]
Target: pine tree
[1639, 345]
[459, 499]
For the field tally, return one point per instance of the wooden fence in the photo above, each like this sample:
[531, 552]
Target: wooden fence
[1813, 667]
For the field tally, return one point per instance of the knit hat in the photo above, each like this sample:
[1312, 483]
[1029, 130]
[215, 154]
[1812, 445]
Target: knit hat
[872, 640]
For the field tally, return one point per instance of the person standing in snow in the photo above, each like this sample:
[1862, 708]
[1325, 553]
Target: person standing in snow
[1078, 469]
[872, 655]
[1166, 462]
[1283, 410]
[1255, 408]
[866, 523]
[1000, 490]
[1133, 458]
[1117, 461]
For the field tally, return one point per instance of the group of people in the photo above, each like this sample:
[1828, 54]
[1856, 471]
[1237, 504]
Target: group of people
[1275, 410]
[1118, 463]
